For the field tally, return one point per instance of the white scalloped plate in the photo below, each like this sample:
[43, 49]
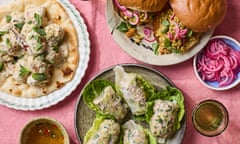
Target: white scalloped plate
[142, 51]
[58, 95]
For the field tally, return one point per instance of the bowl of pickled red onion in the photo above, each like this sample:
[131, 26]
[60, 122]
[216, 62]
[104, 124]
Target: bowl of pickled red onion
[217, 65]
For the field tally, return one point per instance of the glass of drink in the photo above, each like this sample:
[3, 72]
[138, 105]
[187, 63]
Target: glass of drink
[210, 118]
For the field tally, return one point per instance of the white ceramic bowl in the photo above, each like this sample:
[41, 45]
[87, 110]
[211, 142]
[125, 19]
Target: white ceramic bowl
[234, 44]
[42, 122]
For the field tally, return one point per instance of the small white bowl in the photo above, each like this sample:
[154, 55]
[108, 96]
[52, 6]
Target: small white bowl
[42, 122]
[214, 85]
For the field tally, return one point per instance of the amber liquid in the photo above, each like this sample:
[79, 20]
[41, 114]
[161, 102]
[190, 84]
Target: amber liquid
[209, 117]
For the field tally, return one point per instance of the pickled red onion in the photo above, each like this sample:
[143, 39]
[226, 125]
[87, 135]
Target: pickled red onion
[218, 62]
[123, 8]
[148, 32]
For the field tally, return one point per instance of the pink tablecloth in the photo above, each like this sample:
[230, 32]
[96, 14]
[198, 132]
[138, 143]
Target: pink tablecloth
[105, 52]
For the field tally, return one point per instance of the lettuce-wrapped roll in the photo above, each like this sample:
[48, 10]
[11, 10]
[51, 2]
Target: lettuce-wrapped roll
[134, 88]
[134, 133]
[165, 112]
[101, 97]
[103, 131]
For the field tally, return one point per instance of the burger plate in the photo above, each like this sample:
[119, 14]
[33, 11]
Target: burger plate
[142, 52]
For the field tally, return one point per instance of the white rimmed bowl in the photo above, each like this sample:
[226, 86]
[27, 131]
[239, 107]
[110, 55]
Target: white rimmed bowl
[234, 44]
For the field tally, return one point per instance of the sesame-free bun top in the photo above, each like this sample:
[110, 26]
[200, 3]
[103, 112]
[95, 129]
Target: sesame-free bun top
[200, 16]
[144, 5]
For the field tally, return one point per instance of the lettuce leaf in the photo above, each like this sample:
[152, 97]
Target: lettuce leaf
[95, 126]
[171, 94]
[92, 90]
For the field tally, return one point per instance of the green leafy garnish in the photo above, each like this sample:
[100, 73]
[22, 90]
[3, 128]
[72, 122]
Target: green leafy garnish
[38, 19]
[165, 29]
[39, 30]
[189, 33]
[39, 76]
[8, 18]
[174, 50]
[167, 43]
[55, 48]
[123, 27]
[24, 72]
[165, 22]
[8, 43]
[19, 25]
[38, 47]
[155, 47]
[1, 66]
[3, 33]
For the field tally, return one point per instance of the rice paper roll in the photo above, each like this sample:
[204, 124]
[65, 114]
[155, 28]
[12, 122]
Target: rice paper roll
[134, 89]
[101, 96]
[103, 131]
[134, 133]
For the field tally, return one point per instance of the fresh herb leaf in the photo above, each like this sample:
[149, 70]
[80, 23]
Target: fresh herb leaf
[38, 19]
[167, 43]
[23, 71]
[55, 48]
[8, 18]
[189, 33]
[39, 30]
[165, 22]
[155, 47]
[39, 76]
[38, 47]
[8, 43]
[123, 27]
[1, 66]
[19, 25]
[165, 29]
[30, 22]
[3, 33]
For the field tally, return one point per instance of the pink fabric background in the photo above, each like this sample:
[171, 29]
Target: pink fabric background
[105, 52]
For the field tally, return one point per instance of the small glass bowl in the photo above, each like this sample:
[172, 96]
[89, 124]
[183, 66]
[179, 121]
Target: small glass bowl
[210, 118]
[41, 121]
[234, 44]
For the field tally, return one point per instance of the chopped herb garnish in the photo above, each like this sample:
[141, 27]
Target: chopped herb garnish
[189, 33]
[39, 76]
[1, 66]
[38, 19]
[30, 22]
[165, 22]
[8, 43]
[165, 29]
[55, 48]
[3, 33]
[155, 47]
[19, 25]
[39, 30]
[123, 27]
[24, 71]
[167, 42]
[8, 18]
[38, 47]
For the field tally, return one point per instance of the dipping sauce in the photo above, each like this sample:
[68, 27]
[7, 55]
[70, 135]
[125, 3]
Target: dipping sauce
[44, 133]
[210, 118]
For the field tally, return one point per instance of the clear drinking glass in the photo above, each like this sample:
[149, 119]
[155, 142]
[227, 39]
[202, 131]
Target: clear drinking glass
[210, 118]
